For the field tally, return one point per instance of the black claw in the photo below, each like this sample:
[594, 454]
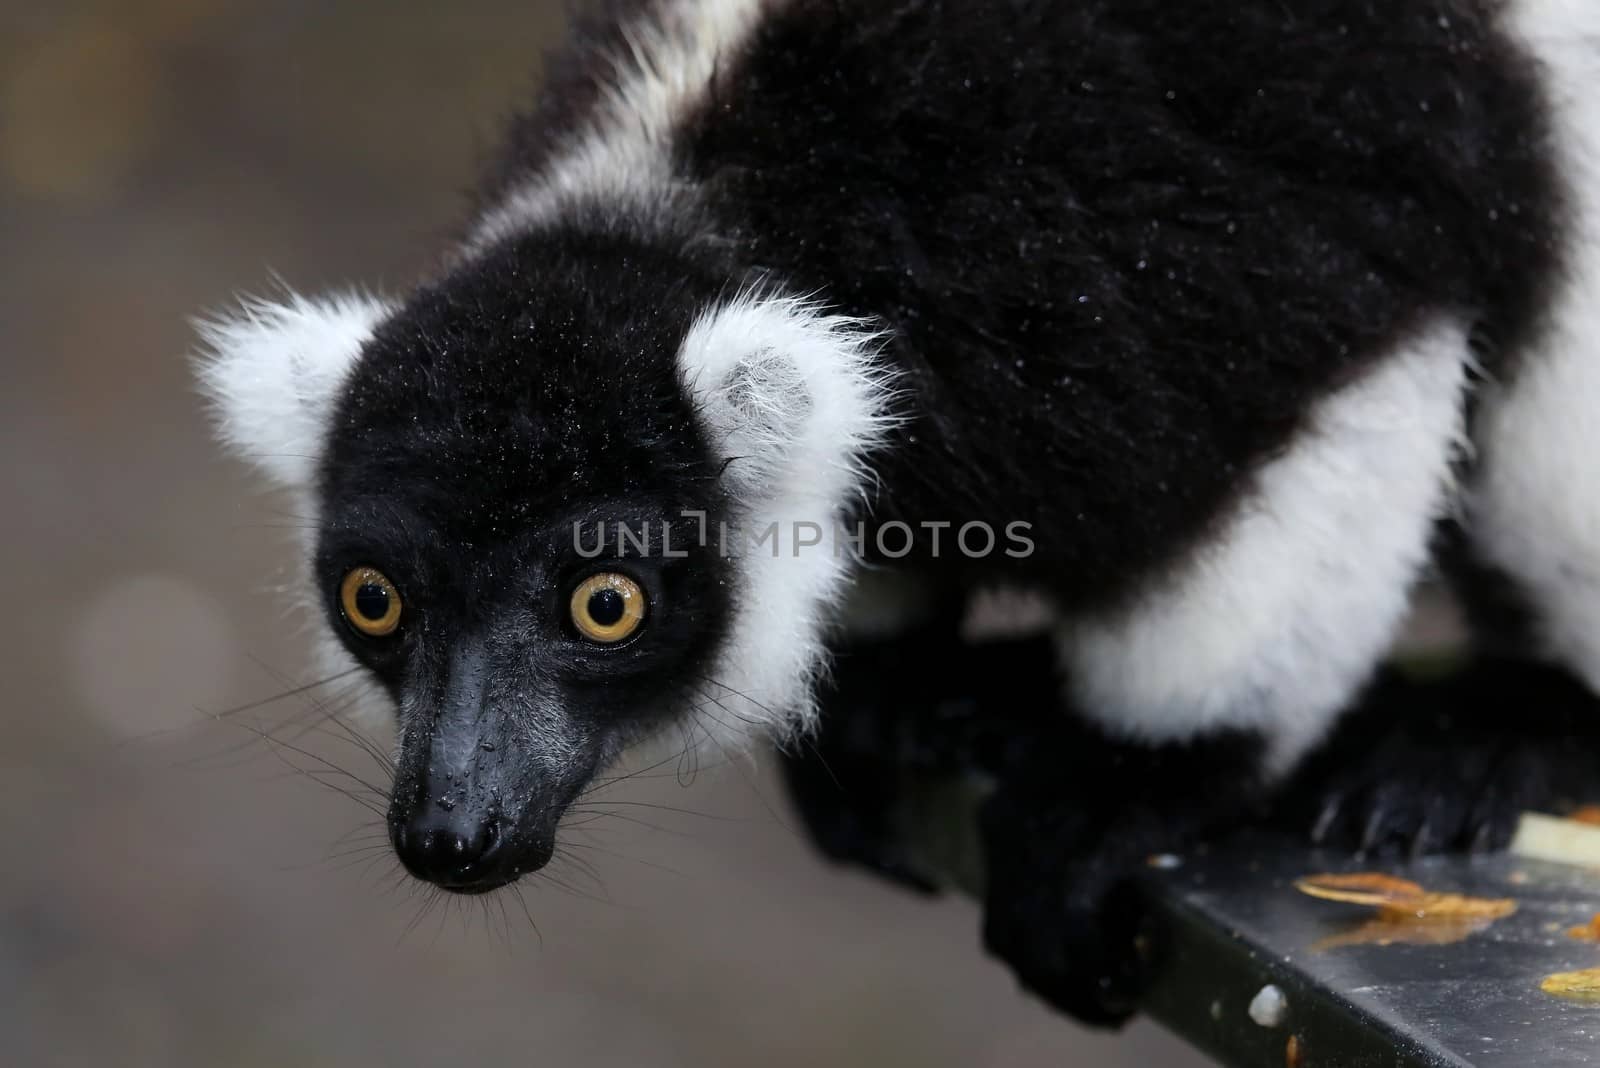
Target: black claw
[1372, 833]
[1325, 818]
[1419, 841]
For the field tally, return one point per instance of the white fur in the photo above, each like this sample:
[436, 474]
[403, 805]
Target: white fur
[272, 372]
[796, 399]
[1535, 506]
[623, 156]
[1275, 625]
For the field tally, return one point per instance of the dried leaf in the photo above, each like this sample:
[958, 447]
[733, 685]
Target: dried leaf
[1360, 888]
[1401, 900]
[1574, 986]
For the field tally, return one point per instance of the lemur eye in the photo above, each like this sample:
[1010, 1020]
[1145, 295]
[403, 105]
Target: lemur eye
[370, 602]
[607, 607]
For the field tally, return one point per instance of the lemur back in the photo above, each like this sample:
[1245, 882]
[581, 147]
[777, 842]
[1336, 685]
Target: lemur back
[1117, 246]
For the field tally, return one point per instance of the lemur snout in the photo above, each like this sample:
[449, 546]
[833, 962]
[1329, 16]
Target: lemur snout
[455, 850]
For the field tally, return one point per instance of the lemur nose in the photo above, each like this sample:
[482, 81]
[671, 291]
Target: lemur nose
[455, 852]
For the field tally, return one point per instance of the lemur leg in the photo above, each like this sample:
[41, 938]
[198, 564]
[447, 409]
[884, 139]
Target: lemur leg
[1266, 634]
[1508, 735]
[899, 711]
[1533, 508]
[904, 700]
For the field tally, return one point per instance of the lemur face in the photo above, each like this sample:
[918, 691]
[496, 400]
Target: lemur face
[489, 443]
[472, 457]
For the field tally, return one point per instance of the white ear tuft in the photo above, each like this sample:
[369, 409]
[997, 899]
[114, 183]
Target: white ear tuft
[272, 371]
[796, 401]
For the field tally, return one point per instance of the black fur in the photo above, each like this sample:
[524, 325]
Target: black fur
[898, 712]
[575, 78]
[1123, 244]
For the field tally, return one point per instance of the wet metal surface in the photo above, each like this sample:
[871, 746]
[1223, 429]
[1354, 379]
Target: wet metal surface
[1232, 923]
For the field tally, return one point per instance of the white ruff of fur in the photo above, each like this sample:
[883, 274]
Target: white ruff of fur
[623, 158]
[272, 372]
[797, 400]
[1274, 625]
[1535, 506]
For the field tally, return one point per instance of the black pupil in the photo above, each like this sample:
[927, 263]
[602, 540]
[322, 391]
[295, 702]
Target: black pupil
[372, 601]
[606, 607]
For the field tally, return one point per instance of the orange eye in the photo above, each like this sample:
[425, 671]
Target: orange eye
[370, 602]
[607, 607]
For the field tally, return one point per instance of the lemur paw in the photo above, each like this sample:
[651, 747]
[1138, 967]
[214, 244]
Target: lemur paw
[893, 714]
[1450, 764]
[848, 798]
[1064, 916]
[1066, 837]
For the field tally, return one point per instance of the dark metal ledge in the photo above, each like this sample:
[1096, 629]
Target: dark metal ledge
[1231, 923]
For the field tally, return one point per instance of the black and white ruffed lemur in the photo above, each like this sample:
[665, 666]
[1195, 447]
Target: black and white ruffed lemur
[1230, 305]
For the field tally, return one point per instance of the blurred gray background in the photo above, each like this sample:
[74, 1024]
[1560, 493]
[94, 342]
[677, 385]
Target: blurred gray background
[172, 891]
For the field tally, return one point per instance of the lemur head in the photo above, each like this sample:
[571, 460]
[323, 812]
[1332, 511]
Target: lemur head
[468, 456]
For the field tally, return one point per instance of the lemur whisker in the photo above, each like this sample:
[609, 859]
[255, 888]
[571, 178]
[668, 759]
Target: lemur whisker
[349, 734]
[589, 871]
[431, 895]
[688, 766]
[315, 706]
[240, 751]
[703, 708]
[744, 774]
[396, 874]
[358, 851]
[365, 832]
[516, 890]
[625, 818]
[626, 857]
[327, 767]
[549, 878]
[371, 845]
[293, 691]
[504, 941]
[766, 708]
[800, 737]
[357, 798]
[666, 808]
